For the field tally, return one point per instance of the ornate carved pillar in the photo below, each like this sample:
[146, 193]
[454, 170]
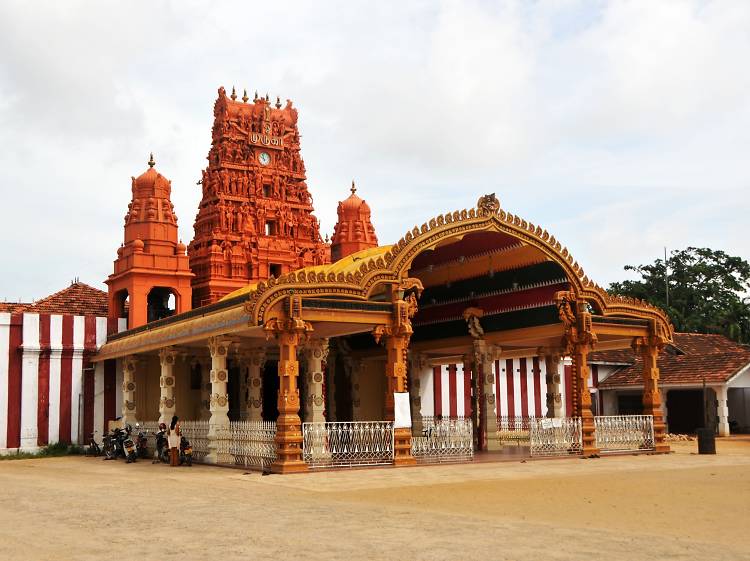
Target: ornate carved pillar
[397, 347]
[129, 410]
[579, 340]
[417, 364]
[582, 406]
[253, 396]
[355, 368]
[649, 350]
[468, 362]
[315, 353]
[241, 407]
[484, 357]
[289, 334]
[330, 378]
[205, 407]
[218, 423]
[552, 368]
[167, 358]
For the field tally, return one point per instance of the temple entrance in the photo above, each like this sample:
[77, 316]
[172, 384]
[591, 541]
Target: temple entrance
[684, 411]
[270, 391]
[233, 391]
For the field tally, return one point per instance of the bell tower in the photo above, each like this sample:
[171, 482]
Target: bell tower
[354, 230]
[151, 278]
[255, 219]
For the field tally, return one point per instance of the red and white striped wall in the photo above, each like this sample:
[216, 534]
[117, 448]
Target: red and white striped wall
[49, 391]
[520, 388]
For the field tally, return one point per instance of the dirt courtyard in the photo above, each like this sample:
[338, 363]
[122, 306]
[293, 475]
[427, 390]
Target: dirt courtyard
[680, 506]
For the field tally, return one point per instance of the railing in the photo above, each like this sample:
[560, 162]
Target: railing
[624, 432]
[514, 429]
[197, 433]
[555, 437]
[251, 443]
[444, 440]
[359, 443]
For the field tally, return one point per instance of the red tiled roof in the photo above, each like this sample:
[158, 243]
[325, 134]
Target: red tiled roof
[711, 356]
[79, 299]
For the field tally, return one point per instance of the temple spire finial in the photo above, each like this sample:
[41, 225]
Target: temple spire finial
[354, 187]
[151, 162]
[234, 94]
[278, 102]
[256, 96]
[244, 96]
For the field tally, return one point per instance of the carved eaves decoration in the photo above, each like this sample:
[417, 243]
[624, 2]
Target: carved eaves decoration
[392, 267]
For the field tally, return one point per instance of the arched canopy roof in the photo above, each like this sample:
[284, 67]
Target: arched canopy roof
[365, 275]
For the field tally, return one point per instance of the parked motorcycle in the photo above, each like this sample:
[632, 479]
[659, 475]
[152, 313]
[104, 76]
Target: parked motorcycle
[141, 442]
[128, 446]
[161, 451]
[112, 444]
[93, 448]
[186, 452]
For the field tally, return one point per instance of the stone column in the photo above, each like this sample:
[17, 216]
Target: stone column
[255, 361]
[167, 358]
[722, 409]
[484, 358]
[330, 377]
[649, 350]
[129, 409]
[354, 368]
[417, 364]
[315, 353]
[218, 423]
[205, 410]
[582, 407]
[242, 385]
[468, 362]
[397, 347]
[554, 398]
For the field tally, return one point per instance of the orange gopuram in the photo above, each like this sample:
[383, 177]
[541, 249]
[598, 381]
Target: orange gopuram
[151, 278]
[354, 230]
[255, 218]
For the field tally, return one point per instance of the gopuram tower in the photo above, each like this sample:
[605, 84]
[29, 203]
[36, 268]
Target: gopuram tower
[255, 219]
[354, 230]
[151, 265]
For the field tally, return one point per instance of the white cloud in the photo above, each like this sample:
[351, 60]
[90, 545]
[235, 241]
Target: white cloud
[620, 126]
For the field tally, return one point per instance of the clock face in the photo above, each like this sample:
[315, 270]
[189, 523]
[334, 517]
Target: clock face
[264, 158]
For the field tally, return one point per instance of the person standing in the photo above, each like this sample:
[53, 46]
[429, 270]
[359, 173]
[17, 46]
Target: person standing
[173, 439]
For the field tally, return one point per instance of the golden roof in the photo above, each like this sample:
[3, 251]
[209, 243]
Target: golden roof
[348, 264]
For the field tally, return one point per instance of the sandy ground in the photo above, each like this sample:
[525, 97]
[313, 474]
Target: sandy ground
[680, 506]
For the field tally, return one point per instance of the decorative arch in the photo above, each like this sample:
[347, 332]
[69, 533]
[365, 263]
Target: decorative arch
[393, 264]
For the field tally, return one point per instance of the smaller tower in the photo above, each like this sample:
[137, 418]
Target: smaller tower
[151, 278]
[354, 230]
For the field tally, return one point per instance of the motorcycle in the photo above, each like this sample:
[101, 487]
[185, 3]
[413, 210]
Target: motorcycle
[161, 452]
[141, 442]
[112, 444]
[128, 446]
[186, 452]
[93, 448]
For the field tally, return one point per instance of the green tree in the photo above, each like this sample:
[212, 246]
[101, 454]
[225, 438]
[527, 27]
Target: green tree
[708, 291]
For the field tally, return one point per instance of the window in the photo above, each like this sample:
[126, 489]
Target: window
[275, 269]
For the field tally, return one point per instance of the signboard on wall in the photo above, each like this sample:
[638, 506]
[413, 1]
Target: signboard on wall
[401, 411]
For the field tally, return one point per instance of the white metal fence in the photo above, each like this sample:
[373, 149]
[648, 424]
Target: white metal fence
[358, 443]
[624, 432]
[251, 443]
[197, 433]
[555, 437]
[444, 440]
[514, 429]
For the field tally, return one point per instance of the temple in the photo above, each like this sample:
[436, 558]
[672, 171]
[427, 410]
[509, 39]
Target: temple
[471, 334]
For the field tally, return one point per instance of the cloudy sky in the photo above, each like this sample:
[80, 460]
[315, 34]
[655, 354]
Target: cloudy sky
[621, 127]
